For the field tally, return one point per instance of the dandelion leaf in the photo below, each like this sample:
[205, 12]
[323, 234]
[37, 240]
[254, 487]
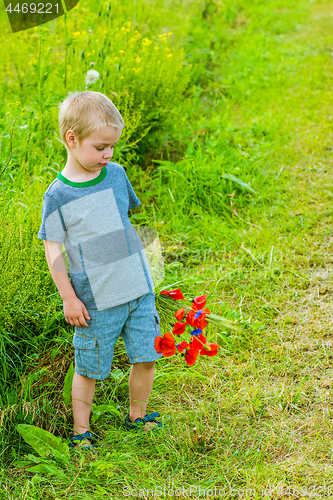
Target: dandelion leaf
[43, 442]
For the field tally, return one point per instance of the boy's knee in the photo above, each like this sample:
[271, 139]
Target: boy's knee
[148, 365]
[81, 380]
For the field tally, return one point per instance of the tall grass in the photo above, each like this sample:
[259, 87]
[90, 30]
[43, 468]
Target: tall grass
[145, 70]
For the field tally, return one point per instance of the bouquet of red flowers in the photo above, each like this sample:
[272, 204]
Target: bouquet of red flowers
[197, 317]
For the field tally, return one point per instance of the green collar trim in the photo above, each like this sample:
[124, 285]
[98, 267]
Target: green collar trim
[92, 182]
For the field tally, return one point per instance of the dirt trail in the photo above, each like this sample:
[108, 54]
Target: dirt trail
[296, 363]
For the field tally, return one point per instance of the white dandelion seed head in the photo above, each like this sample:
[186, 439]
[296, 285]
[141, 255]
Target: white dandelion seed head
[92, 76]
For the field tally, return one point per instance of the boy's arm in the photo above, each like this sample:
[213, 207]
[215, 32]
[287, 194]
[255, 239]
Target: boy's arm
[53, 252]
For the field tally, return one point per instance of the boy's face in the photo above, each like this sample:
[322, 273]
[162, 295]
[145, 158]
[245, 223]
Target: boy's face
[96, 150]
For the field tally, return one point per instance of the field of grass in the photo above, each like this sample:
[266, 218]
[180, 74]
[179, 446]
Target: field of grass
[228, 145]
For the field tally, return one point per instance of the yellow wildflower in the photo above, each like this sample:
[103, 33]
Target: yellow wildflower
[170, 33]
[122, 77]
[170, 55]
[129, 24]
[122, 51]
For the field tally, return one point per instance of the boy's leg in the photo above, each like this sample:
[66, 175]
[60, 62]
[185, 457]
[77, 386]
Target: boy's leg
[83, 390]
[140, 383]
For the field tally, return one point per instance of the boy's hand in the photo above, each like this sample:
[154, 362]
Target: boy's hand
[75, 312]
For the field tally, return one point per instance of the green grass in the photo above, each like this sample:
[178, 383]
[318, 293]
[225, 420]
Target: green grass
[255, 104]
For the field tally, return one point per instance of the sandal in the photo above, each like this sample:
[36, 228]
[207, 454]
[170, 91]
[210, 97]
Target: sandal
[80, 437]
[140, 422]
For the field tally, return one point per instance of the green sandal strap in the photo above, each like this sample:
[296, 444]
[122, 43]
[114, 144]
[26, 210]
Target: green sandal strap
[151, 417]
[80, 437]
[141, 421]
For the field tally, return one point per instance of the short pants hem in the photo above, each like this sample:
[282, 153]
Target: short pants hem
[145, 360]
[85, 374]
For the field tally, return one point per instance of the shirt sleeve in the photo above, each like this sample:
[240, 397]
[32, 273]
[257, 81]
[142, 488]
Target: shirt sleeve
[53, 227]
[133, 199]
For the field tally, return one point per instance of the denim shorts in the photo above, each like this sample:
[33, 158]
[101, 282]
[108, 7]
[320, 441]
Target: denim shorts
[136, 321]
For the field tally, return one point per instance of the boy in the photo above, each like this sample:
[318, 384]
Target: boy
[110, 291]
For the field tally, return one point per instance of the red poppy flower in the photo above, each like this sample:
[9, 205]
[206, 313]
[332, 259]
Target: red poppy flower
[199, 322]
[180, 314]
[199, 302]
[191, 356]
[179, 328]
[196, 344]
[165, 345]
[182, 345]
[202, 324]
[212, 352]
[174, 294]
[201, 314]
[190, 318]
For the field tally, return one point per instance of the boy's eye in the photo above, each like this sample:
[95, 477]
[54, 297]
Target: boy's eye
[101, 149]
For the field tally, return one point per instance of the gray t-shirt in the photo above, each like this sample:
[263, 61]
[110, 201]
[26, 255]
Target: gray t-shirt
[108, 264]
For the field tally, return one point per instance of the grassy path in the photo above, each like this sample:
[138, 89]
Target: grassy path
[278, 395]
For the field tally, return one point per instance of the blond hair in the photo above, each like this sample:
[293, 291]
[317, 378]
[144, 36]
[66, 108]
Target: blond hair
[85, 112]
